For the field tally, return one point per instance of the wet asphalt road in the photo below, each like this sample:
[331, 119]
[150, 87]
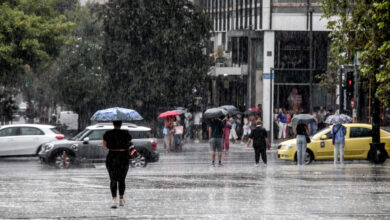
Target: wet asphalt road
[185, 186]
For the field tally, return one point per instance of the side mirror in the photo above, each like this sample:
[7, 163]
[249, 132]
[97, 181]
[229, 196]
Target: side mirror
[323, 137]
[86, 140]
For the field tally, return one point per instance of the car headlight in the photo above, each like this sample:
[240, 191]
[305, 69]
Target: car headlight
[48, 147]
[286, 147]
[75, 147]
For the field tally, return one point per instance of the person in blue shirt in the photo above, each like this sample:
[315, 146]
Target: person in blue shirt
[282, 124]
[338, 140]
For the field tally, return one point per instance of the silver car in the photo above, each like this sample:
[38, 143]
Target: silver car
[87, 146]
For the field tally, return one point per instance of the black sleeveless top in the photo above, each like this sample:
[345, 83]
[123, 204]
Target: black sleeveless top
[117, 139]
[301, 129]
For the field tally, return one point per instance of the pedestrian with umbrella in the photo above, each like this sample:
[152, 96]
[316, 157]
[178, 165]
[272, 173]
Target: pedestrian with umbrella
[301, 133]
[216, 125]
[119, 144]
[169, 129]
[338, 134]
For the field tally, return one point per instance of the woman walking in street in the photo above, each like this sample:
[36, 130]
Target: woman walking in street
[338, 140]
[233, 133]
[169, 131]
[117, 162]
[226, 135]
[300, 133]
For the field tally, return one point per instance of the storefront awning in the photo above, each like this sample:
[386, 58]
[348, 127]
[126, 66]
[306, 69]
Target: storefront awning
[228, 71]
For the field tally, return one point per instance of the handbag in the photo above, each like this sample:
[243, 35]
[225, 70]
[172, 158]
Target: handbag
[165, 131]
[307, 138]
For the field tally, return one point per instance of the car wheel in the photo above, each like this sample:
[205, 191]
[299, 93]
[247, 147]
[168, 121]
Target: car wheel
[63, 160]
[139, 161]
[309, 157]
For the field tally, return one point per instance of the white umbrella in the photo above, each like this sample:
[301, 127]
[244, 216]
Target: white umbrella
[303, 119]
[338, 119]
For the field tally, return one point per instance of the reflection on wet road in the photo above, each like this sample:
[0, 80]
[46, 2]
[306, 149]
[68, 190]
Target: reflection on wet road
[185, 186]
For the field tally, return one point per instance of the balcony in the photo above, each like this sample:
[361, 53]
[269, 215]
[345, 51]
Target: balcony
[224, 67]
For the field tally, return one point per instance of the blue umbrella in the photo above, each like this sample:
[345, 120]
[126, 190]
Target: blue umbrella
[116, 114]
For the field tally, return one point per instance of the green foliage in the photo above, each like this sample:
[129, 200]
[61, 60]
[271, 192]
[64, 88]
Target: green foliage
[362, 26]
[153, 52]
[80, 80]
[330, 79]
[31, 32]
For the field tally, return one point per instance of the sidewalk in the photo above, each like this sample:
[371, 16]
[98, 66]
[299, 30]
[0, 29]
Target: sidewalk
[205, 144]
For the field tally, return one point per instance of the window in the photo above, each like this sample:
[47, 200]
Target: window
[8, 132]
[55, 131]
[30, 131]
[329, 135]
[360, 132]
[139, 134]
[96, 135]
[79, 135]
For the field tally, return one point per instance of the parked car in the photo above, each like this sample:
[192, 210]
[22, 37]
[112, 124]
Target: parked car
[26, 139]
[87, 146]
[357, 144]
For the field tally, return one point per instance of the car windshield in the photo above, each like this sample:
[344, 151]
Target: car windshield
[320, 133]
[55, 131]
[79, 135]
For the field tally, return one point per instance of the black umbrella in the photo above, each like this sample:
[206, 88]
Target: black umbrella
[250, 113]
[231, 109]
[215, 113]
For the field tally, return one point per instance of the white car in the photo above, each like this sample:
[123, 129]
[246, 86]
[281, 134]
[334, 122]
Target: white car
[26, 139]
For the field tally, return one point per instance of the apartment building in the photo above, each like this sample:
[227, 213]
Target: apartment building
[268, 52]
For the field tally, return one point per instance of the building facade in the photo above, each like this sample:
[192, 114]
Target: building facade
[268, 52]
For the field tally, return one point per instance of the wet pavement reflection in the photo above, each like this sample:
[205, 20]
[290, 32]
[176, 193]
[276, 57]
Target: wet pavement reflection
[185, 186]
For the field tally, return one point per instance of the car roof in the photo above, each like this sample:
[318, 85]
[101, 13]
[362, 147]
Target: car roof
[28, 125]
[127, 126]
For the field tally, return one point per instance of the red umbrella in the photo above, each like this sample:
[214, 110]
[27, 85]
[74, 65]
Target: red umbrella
[255, 110]
[168, 114]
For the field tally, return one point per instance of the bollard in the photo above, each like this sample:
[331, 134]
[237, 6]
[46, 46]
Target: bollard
[64, 159]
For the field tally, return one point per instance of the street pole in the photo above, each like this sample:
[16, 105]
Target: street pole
[341, 92]
[377, 153]
[311, 60]
[271, 122]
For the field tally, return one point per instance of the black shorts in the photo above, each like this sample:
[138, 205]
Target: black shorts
[197, 127]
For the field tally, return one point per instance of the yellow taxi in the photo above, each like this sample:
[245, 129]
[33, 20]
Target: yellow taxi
[357, 144]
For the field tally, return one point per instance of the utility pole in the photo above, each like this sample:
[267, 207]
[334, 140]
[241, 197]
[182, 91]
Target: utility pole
[341, 91]
[377, 153]
[311, 59]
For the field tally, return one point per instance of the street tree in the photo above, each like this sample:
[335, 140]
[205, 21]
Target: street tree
[80, 80]
[31, 32]
[154, 53]
[363, 26]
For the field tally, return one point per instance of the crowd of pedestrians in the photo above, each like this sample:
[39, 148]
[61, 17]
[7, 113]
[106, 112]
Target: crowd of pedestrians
[283, 128]
[247, 129]
[220, 131]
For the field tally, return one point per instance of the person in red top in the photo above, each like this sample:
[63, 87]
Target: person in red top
[117, 162]
[226, 134]
[289, 125]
